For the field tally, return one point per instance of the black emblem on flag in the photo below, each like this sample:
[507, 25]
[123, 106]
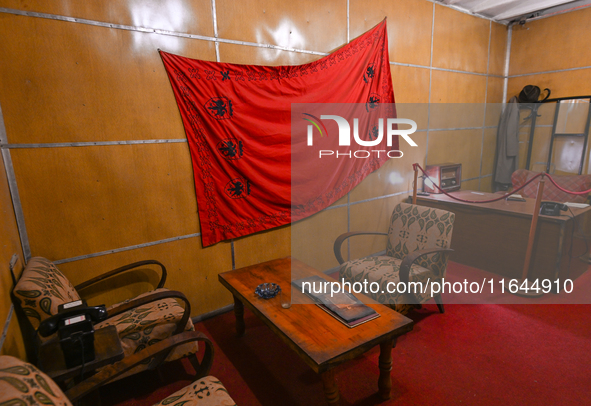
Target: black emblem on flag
[373, 101]
[219, 108]
[369, 73]
[238, 188]
[374, 132]
[230, 148]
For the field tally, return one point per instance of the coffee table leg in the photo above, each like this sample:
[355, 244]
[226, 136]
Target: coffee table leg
[331, 390]
[239, 313]
[385, 364]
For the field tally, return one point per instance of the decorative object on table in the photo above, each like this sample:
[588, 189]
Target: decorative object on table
[267, 290]
[285, 299]
[447, 176]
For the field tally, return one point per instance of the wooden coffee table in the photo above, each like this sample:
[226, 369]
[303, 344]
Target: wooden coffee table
[318, 338]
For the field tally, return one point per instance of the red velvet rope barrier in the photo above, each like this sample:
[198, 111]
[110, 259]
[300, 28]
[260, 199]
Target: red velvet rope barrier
[503, 196]
[478, 201]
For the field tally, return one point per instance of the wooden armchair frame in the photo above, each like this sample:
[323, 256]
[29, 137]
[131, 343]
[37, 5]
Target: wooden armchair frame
[32, 340]
[124, 268]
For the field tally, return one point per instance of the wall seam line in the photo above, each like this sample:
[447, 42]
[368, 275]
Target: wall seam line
[215, 30]
[14, 194]
[485, 102]
[6, 325]
[507, 62]
[122, 249]
[430, 85]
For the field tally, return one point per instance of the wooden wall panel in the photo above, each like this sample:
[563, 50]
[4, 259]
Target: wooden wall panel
[494, 92]
[371, 216]
[411, 85]
[315, 26]
[462, 146]
[174, 15]
[486, 184]
[489, 151]
[473, 184]
[99, 85]
[312, 239]
[395, 175]
[559, 42]
[456, 115]
[494, 98]
[263, 246]
[498, 50]
[9, 245]
[460, 41]
[562, 84]
[409, 27]
[243, 54]
[13, 343]
[191, 270]
[453, 87]
[82, 200]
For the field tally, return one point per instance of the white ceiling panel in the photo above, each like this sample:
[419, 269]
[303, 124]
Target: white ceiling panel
[505, 11]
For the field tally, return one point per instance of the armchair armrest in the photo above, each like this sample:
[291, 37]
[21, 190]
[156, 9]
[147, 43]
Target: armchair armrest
[339, 241]
[152, 297]
[123, 269]
[112, 371]
[410, 259]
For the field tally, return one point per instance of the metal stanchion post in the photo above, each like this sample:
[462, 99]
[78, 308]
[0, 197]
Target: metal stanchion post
[414, 189]
[526, 292]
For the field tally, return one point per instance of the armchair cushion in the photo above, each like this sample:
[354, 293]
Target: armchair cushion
[385, 270]
[207, 391]
[22, 384]
[575, 183]
[41, 289]
[145, 325]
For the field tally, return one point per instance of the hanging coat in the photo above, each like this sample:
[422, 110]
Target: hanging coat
[507, 143]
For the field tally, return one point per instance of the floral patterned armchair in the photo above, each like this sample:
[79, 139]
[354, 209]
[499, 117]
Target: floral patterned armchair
[140, 322]
[23, 384]
[416, 251]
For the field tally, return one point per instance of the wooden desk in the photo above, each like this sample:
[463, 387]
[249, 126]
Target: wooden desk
[493, 236]
[107, 348]
[318, 338]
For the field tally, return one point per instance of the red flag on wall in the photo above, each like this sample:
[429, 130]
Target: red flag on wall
[238, 124]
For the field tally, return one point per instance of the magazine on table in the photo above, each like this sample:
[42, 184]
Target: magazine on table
[343, 305]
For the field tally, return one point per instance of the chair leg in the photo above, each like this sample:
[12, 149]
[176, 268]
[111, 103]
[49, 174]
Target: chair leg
[439, 302]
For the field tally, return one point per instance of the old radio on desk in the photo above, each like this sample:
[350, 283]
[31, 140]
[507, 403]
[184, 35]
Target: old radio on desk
[448, 176]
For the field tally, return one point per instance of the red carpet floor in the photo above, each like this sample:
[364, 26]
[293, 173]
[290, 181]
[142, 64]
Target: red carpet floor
[507, 354]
